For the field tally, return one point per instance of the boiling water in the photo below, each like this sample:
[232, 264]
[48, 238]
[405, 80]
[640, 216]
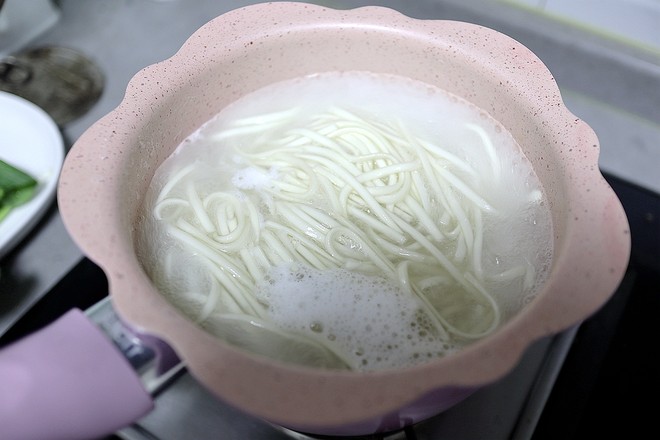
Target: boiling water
[373, 309]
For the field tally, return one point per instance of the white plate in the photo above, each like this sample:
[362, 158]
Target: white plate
[29, 140]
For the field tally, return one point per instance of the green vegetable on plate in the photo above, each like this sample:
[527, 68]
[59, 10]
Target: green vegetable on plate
[16, 188]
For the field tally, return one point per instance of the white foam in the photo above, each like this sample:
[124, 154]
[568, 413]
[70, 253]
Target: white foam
[252, 178]
[370, 320]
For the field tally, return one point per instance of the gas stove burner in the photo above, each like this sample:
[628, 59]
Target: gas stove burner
[62, 81]
[407, 433]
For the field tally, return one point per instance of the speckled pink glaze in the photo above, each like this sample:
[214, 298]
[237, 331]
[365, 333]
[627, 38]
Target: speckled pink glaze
[109, 168]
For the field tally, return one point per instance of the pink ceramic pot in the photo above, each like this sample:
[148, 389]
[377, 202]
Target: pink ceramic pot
[108, 170]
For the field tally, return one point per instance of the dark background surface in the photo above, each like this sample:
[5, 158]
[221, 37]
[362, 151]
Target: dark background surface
[610, 383]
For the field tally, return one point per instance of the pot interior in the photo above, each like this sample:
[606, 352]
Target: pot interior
[207, 83]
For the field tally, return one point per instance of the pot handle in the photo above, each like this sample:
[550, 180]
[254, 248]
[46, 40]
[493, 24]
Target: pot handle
[67, 381]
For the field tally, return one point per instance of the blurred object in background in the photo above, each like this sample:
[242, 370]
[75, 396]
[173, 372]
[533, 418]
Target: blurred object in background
[62, 81]
[21, 21]
[633, 24]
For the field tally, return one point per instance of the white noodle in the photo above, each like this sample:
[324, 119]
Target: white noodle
[348, 192]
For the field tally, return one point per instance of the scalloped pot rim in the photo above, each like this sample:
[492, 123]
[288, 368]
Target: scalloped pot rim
[109, 168]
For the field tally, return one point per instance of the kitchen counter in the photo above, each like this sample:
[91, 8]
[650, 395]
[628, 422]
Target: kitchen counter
[613, 88]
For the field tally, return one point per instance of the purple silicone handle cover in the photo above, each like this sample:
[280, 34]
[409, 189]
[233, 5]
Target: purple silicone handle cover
[67, 381]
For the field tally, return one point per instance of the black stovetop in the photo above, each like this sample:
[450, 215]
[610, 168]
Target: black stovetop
[610, 381]
[608, 377]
